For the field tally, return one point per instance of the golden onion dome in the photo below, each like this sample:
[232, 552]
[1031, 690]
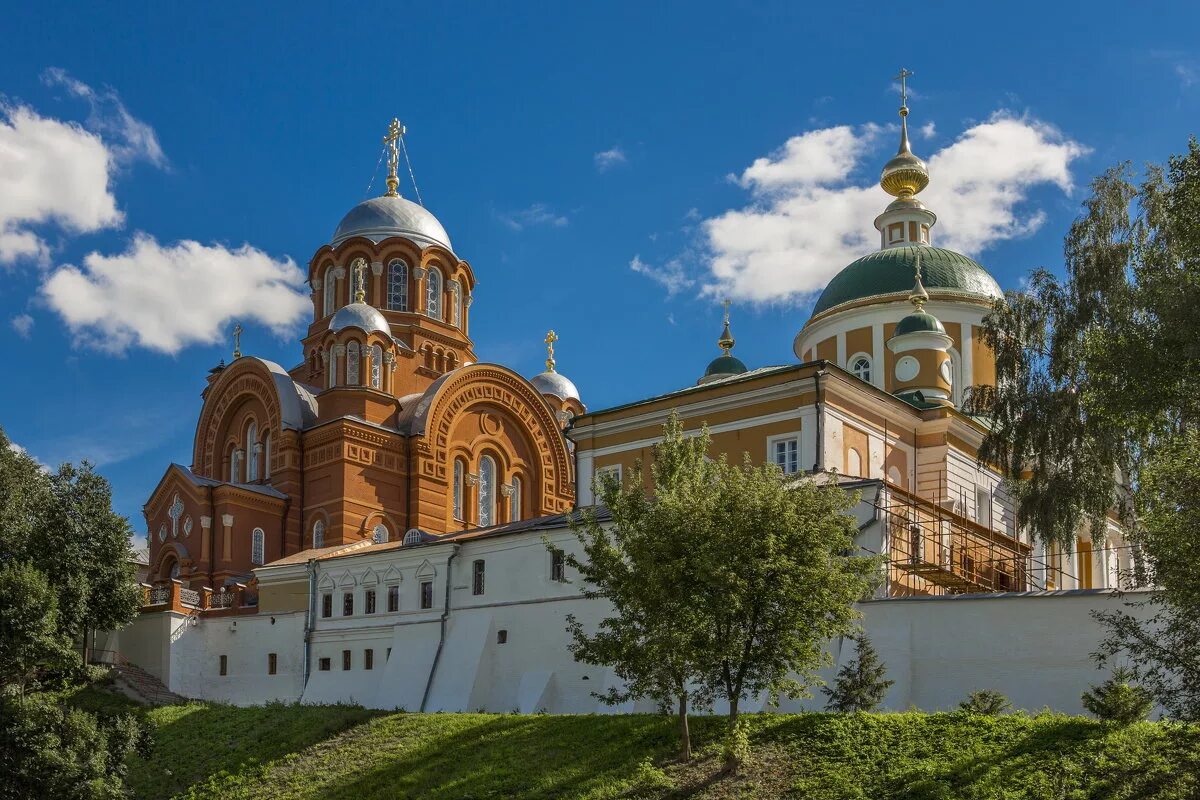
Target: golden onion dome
[905, 175]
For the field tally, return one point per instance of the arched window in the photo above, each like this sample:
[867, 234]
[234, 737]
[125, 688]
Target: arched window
[433, 293]
[352, 356]
[460, 470]
[860, 365]
[257, 544]
[330, 289]
[514, 501]
[380, 534]
[853, 463]
[397, 299]
[376, 367]
[318, 539]
[235, 467]
[894, 476]
[413, 536]
[267, 456]
[331, 367]
[456, 303]
[487, 491]
[252, 452]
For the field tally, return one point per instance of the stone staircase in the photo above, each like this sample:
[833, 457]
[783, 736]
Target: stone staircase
[135, 682]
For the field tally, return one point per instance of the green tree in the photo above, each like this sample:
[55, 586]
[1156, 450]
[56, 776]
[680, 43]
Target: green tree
[49, 751]
[30, 637]
[1117, 700]
[987, 702]
[860, 684]
[1097, 405]
[726, 582]
[63, 524]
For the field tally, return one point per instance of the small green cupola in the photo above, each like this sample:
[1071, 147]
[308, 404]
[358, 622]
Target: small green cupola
[922, 367]
[727, 364]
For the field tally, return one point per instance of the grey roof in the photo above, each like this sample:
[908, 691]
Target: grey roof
[297, 404]
[257, 488]
[553, 383]
[754, 373]
[362, 316]
[383, 217]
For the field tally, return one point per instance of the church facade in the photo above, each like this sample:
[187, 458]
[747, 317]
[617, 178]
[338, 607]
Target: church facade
[390, 518]
[388, 424]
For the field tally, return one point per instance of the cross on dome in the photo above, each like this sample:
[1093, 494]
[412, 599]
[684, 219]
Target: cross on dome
[551, 338]
[392, 141]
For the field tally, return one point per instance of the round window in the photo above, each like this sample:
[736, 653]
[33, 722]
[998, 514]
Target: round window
[907, 368]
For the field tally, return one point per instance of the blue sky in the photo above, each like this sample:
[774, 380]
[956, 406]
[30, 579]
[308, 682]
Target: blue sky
[609, 170]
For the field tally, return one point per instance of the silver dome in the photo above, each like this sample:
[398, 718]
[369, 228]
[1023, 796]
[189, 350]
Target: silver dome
[554, 384]
[382, 217]
[359, 315]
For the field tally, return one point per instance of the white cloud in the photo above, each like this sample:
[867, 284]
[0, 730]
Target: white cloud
[607, 159]
[129, 138]
[22, 324]
[534, 215]
[164, 298]
[928, 130]
[811, 215]
[671, 275]
[50, 171]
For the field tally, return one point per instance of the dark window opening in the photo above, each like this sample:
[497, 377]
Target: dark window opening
[345, 659]
[393, 598]
[501, 636]
[224, 665]
[348, 604]
[327, 605]
[368, 659]
[426, 594]
[272, 663]
[370, 602]
[558, 566]
[323, 664]
[477, 577]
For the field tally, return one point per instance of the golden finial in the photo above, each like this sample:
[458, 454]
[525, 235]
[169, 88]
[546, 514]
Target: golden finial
[392, 140]
[360, 288]
[726, 341]
[551, 338]
[905, 175]
[237, 341]
[919, 296]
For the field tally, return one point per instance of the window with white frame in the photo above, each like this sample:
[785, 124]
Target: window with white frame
[784, 452]
[398, 286]
[252, 450]
[487, 491]
[460, 470]
[318, 533]
[514, 500]
[602, 473]
[257, 546]
[433, 293]
[860, 366]
[376, 367]
[352, 361]
[330, 289]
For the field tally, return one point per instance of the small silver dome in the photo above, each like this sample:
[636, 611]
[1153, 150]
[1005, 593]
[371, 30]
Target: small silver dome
[359, 315]
[382, 217]
[554, 384]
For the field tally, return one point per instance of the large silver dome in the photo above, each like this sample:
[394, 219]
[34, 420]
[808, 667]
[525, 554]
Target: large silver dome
[359, 315]
[555, 384]
[383, 217]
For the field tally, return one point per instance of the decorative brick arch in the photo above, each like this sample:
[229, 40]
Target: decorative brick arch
[249, 378]
[490, 385]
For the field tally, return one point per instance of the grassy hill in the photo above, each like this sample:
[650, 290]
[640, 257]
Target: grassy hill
[206, 751]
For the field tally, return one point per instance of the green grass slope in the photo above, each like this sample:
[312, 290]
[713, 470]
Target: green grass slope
[206, 751]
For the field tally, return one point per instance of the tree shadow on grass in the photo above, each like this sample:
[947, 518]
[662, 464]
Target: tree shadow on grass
[197, 744]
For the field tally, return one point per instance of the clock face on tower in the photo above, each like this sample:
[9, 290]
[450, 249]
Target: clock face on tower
[946, 373]
[907, 368]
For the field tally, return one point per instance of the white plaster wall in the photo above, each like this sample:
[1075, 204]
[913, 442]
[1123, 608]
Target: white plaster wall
[246, 641]
[146, 641]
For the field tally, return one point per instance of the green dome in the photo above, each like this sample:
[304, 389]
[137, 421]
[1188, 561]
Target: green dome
[724, 365]
[890, 271]
[919, 321]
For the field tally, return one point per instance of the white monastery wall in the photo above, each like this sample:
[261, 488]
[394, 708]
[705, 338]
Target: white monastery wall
[507, 649]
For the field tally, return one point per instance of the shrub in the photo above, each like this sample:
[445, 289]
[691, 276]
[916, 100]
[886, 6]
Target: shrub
[860, 685]
[736, 747]
[649, 776]
[987, 702]
[1117, 700]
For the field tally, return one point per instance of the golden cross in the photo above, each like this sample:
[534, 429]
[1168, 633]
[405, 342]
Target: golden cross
[551, 338]
[392, 140]
[903, 77]
[725, 303]
[237, 340]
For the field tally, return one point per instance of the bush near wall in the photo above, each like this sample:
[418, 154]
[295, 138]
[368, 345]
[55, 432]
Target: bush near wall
[206, 751]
